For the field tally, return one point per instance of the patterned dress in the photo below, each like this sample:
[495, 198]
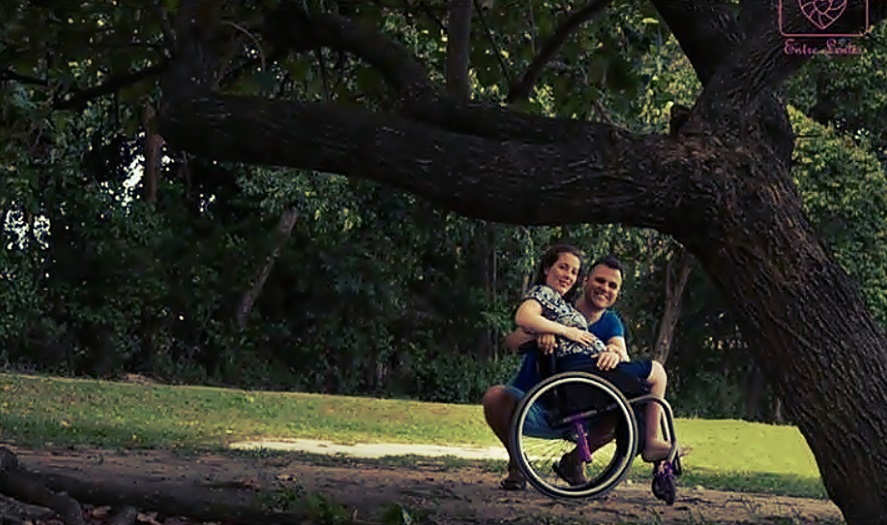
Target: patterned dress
[555, 308]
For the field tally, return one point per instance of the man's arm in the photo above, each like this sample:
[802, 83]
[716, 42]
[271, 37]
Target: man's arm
[617, 344]
[515, 339]
[614, 354]
[519, 337]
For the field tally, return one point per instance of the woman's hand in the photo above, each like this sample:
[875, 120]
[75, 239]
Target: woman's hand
[580, 336]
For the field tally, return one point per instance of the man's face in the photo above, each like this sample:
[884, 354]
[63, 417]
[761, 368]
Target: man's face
[602, 287]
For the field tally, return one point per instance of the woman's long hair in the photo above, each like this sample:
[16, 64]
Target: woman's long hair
[550, 257]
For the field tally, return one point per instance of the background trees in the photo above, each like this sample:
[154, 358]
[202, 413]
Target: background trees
[110, 266]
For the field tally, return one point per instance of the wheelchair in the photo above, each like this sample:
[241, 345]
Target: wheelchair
[565, 411]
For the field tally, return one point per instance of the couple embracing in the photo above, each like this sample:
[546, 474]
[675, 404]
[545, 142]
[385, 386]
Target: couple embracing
[575, 323]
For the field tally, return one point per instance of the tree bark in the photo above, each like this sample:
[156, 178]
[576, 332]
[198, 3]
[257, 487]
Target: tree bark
[18, 483]
[153, 151]
[458, 49]
[807, 326]
[282, 234]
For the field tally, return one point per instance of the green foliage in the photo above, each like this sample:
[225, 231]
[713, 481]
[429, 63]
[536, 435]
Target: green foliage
[844, 187]
[397, 515]
[455, 379]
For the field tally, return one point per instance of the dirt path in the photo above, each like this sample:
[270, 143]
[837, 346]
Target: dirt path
[430, 490]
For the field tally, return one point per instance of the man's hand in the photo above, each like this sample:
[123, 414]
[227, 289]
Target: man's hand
[546, 343]
[613, 347]
[608, 360]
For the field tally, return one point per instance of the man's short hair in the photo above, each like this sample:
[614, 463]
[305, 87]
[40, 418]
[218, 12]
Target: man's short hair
[610, 261]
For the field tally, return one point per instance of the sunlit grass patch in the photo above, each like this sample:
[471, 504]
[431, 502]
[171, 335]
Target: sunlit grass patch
[727, 454]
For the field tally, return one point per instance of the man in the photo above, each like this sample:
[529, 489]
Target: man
[601, 290]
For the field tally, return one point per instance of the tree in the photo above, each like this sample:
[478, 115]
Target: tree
[718, 182]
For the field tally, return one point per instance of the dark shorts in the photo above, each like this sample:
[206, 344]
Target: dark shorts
[536, 424]
[639, 369]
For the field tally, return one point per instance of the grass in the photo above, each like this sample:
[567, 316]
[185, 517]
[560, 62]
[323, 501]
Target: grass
[39, 411]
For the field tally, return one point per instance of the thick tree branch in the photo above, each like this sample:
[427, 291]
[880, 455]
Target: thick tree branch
[421, 100]
[705, 29]
[293, 28]
[521, 89]
[8, 74]
[458, 49]
[506, 181]
[560, 156]
[76, 97]
[497, 122]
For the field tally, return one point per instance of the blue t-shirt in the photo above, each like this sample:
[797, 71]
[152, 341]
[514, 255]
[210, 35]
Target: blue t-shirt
[606, 328]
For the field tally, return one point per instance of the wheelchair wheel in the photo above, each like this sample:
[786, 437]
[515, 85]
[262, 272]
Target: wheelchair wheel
[550, 421]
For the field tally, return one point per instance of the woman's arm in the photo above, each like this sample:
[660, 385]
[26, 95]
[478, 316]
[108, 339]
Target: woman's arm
[529, 317]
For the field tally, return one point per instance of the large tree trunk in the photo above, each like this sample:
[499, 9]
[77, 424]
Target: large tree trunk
[805, 320]
[719, 183]
[17, 482]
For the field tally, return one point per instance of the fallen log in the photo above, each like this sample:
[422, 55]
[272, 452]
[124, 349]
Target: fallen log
[61, 492]
[17, 483]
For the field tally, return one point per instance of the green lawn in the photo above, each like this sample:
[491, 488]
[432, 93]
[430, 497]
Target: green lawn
[34, 411]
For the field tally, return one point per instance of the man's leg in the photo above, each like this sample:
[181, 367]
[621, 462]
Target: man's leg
[499, 404]
[571, 463]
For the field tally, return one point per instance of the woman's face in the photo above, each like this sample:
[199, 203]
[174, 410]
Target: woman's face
[562, 275]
